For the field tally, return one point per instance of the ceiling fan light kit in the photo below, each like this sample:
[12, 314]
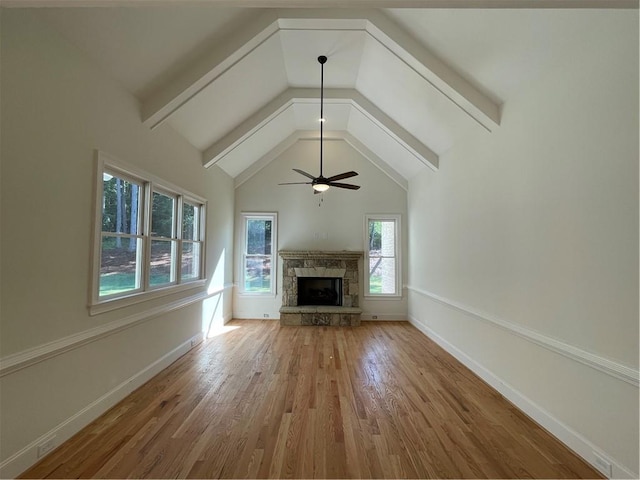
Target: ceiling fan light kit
[320, 183]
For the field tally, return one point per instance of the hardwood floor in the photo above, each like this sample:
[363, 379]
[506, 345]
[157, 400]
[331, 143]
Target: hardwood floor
[376, 401]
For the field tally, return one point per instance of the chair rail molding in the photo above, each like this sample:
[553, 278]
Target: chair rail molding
[605, 365]
[26, 358]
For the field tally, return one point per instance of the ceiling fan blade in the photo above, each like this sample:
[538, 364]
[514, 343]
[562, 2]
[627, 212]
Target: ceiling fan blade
[302, 172]
[295, 183]
[341, 176]
[344, 185]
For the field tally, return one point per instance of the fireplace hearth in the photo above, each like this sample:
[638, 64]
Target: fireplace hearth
[320, 288]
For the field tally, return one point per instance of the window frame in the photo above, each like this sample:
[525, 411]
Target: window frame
[273, 216]
[396, 218]
[148, 183]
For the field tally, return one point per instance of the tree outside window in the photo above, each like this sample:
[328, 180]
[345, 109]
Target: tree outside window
[382, 255]
[141, 249]
[259, 254]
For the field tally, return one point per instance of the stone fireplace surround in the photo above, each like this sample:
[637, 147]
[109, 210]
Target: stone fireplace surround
[323, 264]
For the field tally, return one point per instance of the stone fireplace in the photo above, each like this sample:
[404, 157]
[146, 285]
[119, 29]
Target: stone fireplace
[320, 288]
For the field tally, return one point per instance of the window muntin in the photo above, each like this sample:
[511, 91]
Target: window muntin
[139, 245]
[382, 252]
[258, 258]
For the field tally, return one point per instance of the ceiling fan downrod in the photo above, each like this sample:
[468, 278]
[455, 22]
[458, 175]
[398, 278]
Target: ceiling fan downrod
[322, 59]
[321, 184]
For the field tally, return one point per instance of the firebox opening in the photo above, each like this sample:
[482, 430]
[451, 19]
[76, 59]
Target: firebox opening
[319, 291]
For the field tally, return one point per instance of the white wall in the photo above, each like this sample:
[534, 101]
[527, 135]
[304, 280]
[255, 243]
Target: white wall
[524, 246]
[61, 367]
[340, 215]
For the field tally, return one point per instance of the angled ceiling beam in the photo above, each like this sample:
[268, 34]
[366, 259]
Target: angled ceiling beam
[173, 94]
[251, 126]
[416, 56]
[313, 135]
[443, 78]
[376, 160]
[291, 96]
[267, 158]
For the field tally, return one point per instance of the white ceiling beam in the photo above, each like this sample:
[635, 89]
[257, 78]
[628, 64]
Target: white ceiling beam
[333, 3]
[233, 49]
[376, 160]
[291, 96]
[418, 149]
[299, 135]
[438, 74]
[267, 158]
[249, 126]
[416, 56]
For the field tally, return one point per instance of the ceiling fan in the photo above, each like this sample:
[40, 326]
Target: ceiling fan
[320, 183]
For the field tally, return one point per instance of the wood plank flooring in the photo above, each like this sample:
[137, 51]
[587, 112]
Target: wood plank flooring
[264, 401]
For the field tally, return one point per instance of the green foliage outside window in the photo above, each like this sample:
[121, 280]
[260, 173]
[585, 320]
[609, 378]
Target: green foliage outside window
[122, 241]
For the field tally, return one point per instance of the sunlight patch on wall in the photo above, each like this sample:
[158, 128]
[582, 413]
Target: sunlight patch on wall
[213, 306]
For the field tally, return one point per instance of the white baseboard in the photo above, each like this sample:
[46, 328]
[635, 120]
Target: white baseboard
[398, 317]
[365, 316]
[572, 439]
[256, 316]
[28, 456]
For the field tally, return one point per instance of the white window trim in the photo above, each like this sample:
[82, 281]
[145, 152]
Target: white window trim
[398, 256]
[150, 183]
[273, 216]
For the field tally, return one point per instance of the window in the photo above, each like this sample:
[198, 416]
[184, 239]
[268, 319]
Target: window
[142, 251]
[382, 255]
[258, 257]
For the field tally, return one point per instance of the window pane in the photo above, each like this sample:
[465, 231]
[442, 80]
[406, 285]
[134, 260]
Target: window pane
[382, 275]
[190, 265]
[162, 216]
[162, 269]
[382, 238]
[120, 205]
[258, 237]
[190, 222]
[119, 265]
[257, 274]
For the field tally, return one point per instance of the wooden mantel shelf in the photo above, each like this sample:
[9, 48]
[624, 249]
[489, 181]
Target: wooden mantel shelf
[310, 254]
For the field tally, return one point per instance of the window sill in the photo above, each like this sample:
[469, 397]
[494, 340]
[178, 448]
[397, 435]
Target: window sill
[133, 299]
[257, 295]
[383, 297]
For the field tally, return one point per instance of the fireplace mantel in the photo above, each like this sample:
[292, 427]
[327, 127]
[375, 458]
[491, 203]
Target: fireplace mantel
[312, 254]
[317, 263]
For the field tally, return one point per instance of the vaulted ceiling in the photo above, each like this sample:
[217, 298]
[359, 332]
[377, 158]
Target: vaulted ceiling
[242, 84]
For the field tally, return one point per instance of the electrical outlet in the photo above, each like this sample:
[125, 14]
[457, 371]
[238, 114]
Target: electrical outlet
[603, 465]
[374, 317]
[193, 342]
[265, 315]
[46, 446]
